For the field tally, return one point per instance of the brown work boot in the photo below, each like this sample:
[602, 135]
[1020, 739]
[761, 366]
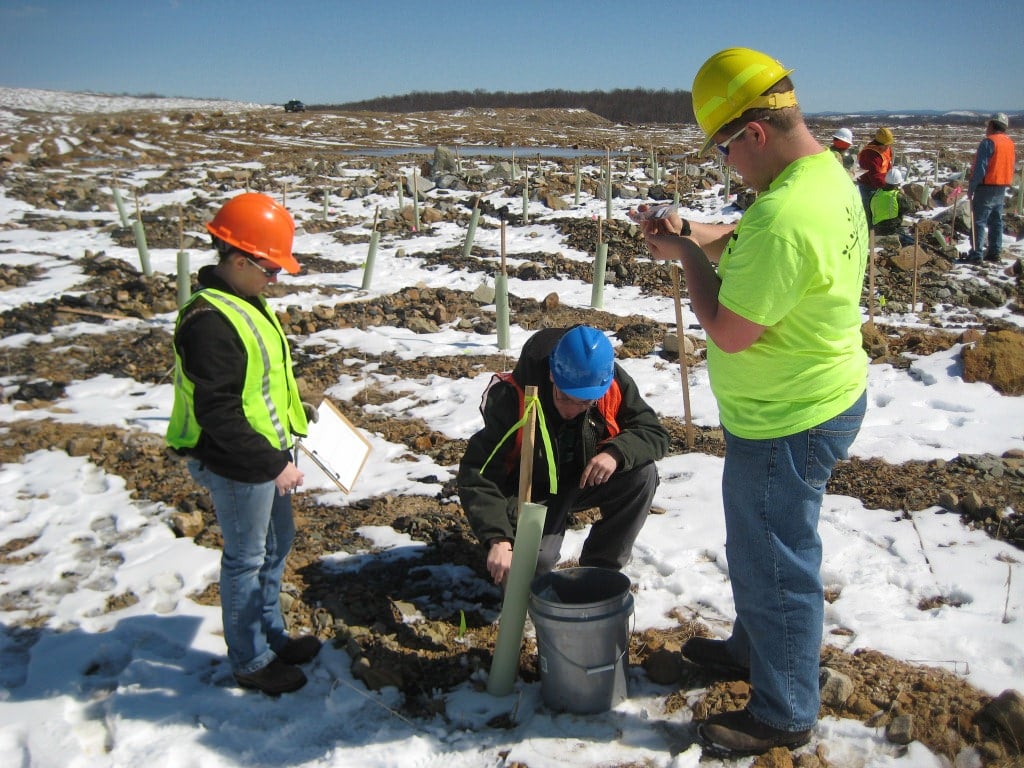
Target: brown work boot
[715, 657]
[739, 734]
[275, 678]
[299, 650]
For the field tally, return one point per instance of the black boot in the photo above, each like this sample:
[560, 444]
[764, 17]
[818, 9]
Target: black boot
[275, 678]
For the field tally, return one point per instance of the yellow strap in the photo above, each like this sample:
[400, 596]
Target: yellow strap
[771, 101]
[531, 402]
[774, 101]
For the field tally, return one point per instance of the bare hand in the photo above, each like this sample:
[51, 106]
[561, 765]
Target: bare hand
[599, 469]
[499, 561]
[289, 480]
[669, 222]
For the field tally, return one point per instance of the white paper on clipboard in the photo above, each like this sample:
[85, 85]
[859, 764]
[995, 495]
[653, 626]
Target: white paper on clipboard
[336, 446]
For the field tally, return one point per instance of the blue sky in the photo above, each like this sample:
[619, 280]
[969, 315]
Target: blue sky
[902, 54]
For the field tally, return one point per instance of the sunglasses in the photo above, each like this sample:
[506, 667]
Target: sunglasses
[573, 401]
[267, 273]
[724, 146]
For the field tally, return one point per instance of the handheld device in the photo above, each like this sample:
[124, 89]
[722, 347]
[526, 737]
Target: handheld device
[654, 212]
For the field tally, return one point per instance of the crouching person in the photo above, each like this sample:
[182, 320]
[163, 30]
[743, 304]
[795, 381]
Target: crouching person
[603, 437]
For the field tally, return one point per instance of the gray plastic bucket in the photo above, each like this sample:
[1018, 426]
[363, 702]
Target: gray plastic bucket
[581, 616]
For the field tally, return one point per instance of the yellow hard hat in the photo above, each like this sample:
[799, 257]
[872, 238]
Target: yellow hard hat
[731, 82]
[884, 136]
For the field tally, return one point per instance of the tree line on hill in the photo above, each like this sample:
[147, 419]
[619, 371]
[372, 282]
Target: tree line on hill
[622, 105]
[630, 106]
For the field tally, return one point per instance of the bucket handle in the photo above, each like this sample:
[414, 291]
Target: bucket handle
[594, 670]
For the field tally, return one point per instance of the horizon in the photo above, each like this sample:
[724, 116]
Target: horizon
[964, 112]
[323, 52]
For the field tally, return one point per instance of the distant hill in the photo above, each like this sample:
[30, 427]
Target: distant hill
[976, 117]
[637, 105]
[623, 105]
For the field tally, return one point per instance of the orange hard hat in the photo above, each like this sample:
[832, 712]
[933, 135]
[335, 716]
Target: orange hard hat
[256, 224]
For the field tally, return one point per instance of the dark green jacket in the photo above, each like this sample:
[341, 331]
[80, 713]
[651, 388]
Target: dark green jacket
[490, 500]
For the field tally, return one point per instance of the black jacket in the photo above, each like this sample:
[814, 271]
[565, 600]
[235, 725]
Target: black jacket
[490, 500]
[215, 361]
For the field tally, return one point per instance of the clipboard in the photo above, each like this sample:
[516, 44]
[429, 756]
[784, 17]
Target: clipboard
[336, 445]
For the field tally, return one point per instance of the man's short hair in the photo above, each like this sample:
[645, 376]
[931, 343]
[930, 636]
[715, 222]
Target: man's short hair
[785, 119]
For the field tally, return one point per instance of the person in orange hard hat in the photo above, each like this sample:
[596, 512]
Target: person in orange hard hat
[236, 409]
[778, 295]
[875, 160]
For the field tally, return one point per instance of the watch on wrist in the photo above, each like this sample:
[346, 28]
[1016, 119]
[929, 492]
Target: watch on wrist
[685, 231]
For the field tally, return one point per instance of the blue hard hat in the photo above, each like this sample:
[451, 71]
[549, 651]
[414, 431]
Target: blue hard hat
[583, 363]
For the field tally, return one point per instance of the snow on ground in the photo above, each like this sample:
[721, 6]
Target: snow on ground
[149, 684]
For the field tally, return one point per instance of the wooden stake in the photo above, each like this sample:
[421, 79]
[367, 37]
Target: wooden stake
[871, 277]
[503, 245]
[684, 373]
[608, 190]
[93, 313]
[526, 452]
[917, 255]
[501, 296]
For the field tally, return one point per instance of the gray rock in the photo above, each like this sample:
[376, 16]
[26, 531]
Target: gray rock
[671, 344]
[422, 325]
[484, 294]
[444, 161]
[900, 729]
[1006, 713]
[836, 688]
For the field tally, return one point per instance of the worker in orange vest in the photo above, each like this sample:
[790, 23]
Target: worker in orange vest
[875, 160]
[991, 176]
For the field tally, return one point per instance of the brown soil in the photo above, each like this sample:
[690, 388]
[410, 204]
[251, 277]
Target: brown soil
[365, 612]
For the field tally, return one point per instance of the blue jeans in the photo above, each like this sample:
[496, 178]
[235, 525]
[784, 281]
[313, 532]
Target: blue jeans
[772, 490]
[258, 531]
[987, 207]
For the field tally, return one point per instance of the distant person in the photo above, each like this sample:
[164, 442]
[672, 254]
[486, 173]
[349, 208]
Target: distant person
[236, 408]
[778, 294]
[842, 148]
[604, 439]
[888, 207]
[991, 177]
[875, 159]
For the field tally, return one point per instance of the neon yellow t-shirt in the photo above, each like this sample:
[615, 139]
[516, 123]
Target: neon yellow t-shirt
[795, 264]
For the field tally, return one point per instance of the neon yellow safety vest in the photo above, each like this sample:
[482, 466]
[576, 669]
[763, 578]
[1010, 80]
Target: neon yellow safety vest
[270, 401]
[884, 205]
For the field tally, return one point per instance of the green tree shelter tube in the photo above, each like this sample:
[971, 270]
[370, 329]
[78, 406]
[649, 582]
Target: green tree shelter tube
[517, 595]
[371, 253]
[525, 552]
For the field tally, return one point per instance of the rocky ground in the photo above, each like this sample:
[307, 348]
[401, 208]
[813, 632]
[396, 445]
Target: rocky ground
[365, 613]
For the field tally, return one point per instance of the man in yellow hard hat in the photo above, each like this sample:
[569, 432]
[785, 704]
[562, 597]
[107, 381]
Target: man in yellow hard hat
[782, 318]
[876, 160]
[236, 409]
